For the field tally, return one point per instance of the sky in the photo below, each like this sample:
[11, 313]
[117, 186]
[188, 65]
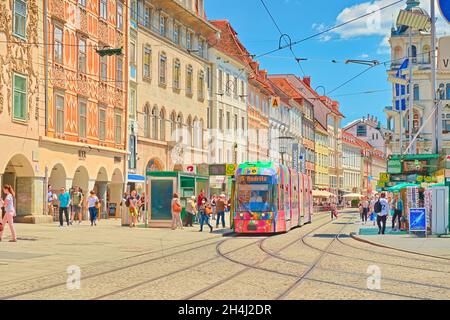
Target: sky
[365, 39]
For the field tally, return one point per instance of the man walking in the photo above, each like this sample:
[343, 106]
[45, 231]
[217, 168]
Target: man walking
[397, 205]
[220, 206]
[381, 209]
[77, 201]
[64, 202]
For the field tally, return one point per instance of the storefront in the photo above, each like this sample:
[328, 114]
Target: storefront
[221, 178]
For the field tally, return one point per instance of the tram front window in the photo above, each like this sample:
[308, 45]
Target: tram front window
[255, 198]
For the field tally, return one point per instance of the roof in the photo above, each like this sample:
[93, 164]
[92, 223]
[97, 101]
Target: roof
[350, 139]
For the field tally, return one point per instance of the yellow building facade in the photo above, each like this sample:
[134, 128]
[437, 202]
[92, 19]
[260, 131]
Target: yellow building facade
[322, 178]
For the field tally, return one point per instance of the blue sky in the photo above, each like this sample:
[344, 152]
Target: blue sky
[365, 39]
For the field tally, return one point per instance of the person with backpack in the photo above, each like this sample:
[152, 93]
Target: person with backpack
[381, 208]
[176, 212]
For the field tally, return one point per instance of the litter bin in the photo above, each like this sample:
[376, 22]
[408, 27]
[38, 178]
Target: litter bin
[125, 216]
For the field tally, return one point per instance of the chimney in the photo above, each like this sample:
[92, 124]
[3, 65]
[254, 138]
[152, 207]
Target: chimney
[307, 81]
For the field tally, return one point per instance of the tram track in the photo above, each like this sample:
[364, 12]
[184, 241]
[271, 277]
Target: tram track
[300, 278]
[110, 271]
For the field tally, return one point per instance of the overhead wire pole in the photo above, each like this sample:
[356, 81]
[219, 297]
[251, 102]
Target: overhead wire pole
[411, 89]
[437, 133]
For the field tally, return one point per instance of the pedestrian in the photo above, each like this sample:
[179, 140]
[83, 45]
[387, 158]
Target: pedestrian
[50, 200]
[221, 206]
[365, 210]
[93, 205]
[397, 205]
[381, 208]
[176, 212]
[334, 212]
[132, 203]
[64, 202]
[77, 201]
[360, 210]
[214, 206]
[141, 207]
[200, 198]
[10, 212]
[190, 212]
[205, 212]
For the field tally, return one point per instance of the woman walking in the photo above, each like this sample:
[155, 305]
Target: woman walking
[10, 212]
[176, 211]
[93, 204]
[205, 212]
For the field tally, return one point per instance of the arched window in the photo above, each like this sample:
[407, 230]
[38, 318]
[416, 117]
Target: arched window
[442, 91]
[179, 128]
[155, 123]
[426, 52]
[176, 74]
[189, 132]
[200, 134]
[147, 121]
[173, 126]
[162, 125]
[416, 92]
[447, 89]
[189, 79]
[414, 54]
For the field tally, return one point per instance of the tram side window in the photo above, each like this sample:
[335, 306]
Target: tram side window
[281, 199]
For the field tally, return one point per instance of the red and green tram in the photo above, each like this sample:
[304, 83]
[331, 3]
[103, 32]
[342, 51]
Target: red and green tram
[270, 198]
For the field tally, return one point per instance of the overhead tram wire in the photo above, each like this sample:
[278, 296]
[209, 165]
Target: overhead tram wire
[297, 60]
[329, 29]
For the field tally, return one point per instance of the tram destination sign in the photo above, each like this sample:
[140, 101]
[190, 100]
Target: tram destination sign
[255, 179]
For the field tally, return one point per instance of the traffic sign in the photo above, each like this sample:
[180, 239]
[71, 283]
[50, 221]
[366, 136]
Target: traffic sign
[384, 177]
[444, 6]
[231, 169]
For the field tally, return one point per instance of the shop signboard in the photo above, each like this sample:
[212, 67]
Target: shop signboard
[394, 167]
[384, 177]
[415, 166]
[217, 170]
[417, 219]
[231, 169]
[203, 169]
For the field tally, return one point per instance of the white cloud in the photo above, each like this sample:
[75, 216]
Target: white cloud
[377, 24]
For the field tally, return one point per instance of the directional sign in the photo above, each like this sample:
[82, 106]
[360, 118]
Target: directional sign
[444, 6]
[276, 101]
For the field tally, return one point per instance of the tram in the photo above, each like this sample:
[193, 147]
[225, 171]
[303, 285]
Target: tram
[270, 198]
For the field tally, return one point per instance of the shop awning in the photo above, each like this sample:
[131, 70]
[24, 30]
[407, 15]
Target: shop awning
[322, 194]
[400, 186]
[136, 178]
[353, 196]
[410, 157]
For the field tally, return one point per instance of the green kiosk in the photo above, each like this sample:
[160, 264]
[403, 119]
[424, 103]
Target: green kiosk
[161, 185]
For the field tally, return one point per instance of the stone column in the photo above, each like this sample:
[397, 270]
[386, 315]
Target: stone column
[30, 200]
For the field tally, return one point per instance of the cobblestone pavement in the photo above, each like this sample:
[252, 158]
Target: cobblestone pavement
[316, 261]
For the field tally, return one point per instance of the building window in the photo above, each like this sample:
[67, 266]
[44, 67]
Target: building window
[243, 123]
[132, 53]
[414, 54]
[416, 92]
[447, 89]
[162, 25]
[133, 11]
[132, 103]
[119, 15]
[361, 131]
[228, 120]
[58, 41]
[162, 68]
[176, 74]
[189, 40]
[132, 159]
[103, 68]
[227, 85]
[118, 127]
[82, 3]
[162, 126]
[221, 119]
[119, 76]
[20, 97]
[20, 18]
[235, 122]
[82, 55]
[446, 123]
[59, 103]
[442, 91]
[147, 121]
[102, 123]
[242, 90]
[82, 118]
[220, 82]
[176, 33]
[147, 65]
[147, 17]
[201, 47]
[154, 123]
[235, 88]
[201, 85]
[189, 80]
[104, 9]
